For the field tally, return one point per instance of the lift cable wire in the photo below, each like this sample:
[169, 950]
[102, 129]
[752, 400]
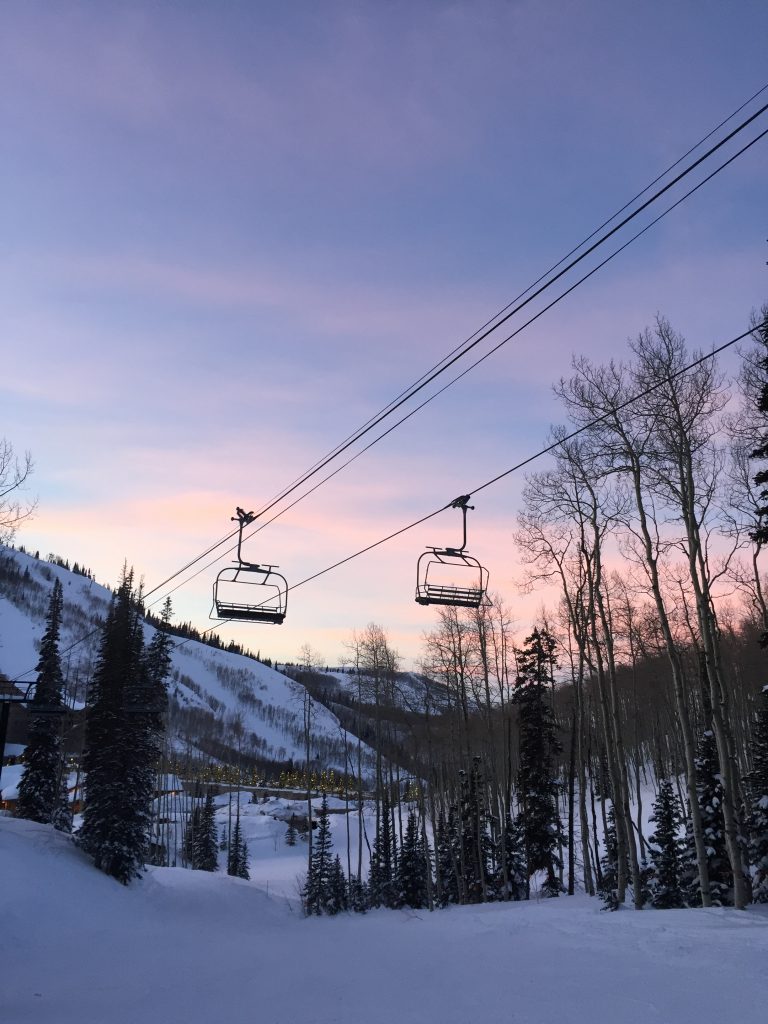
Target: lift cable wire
[538, 280]
[524, 462]
[480, 336]
[464, 372]
[522, 294]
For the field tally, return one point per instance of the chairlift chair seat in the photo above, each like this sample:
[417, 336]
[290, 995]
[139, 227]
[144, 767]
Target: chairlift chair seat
[250, 593]
[446, 563]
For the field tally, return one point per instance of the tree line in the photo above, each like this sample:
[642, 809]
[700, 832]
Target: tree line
[647, 672]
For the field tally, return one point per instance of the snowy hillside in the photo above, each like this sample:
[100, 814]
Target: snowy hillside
[408, 690]
[190, 946]
[219, 700]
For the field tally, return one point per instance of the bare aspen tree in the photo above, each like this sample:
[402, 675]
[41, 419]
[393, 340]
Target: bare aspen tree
[601, 394]
[14, 473]
[685, 467]
[662, 447]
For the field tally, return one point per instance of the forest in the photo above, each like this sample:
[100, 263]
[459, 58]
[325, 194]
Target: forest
[648, 671]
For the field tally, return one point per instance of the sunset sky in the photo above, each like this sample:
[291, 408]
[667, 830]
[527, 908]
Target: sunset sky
[232, 231]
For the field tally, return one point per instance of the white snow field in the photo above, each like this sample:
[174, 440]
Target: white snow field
[195, 948]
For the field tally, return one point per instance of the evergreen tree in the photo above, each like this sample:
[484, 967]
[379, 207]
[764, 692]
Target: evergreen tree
[237, 860]
[476, 847]
[317, 888]
[193, 826]
[337, 890]
[518, 879]
[666, 888]
[412, 867]
[446, 855]
[357, 895]
[536, 780]
[291, 833]
[124, 725]
[62, 812]
[758, 820]
[709, 792]
[382, 882]
[205, 853]
[39, 786]
[609, 862]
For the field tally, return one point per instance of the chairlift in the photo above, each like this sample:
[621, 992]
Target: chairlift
[450, 576]
[249, 591]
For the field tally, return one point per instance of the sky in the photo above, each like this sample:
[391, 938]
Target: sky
[232, 232]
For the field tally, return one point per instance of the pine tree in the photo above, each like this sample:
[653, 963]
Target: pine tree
[710, 797]
[357, 895]
[62, 812]
[291, 833]
[412, 867]
[476, 847]
[124, 726]
[666, 890]
[609, 892]
[205, 853]
[317, 888]
[758, 819]
[518, 879]
[39, 786]
[337, 890]
[192, 829]
[537, 783]
[237, 860]
[382, 883]
[447, 854]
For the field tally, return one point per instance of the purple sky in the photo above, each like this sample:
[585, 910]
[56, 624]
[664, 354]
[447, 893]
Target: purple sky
[232, 231]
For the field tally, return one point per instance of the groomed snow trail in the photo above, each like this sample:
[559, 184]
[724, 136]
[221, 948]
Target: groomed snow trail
[184, 946]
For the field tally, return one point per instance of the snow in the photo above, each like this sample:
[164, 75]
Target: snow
[278, 868]
[10, 777]
[189, 946]
[227, 685]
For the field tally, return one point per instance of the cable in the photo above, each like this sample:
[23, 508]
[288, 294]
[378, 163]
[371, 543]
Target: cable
[516, 309]
[525, 462]
[477, 362]
[554, 267]
[479, 336]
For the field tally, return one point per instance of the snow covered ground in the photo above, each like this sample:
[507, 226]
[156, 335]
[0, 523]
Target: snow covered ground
[186, 946]
[264, 705]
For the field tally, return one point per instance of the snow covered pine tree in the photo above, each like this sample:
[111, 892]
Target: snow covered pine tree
[40, 788]
[125, 706]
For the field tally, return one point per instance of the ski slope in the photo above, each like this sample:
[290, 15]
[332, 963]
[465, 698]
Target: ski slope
[236, 693]
[186, 946]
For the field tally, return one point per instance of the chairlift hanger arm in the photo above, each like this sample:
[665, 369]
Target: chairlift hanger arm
[243, 519]
[462, 503]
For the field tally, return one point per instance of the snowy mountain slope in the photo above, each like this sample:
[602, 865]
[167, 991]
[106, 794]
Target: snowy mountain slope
[409, 690]
[220, 701]
[194, 947]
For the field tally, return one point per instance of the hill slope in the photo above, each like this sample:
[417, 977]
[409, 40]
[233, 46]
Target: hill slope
[219, 700]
